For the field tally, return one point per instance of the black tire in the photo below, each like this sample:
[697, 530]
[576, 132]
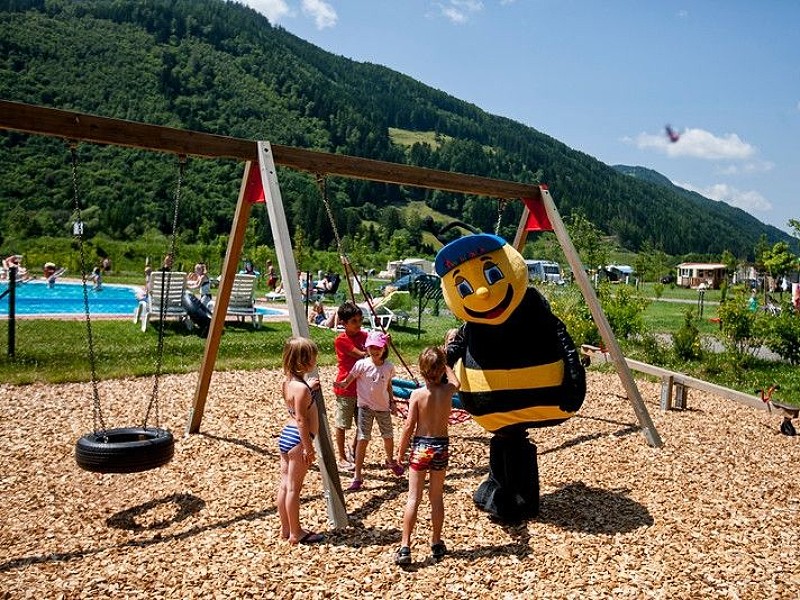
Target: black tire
[125, 450]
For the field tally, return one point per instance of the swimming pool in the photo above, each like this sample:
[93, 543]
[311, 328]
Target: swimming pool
[65, 299]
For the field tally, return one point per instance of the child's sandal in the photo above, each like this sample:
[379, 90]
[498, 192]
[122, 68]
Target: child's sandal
[395, 467]
[403, 556]
[438, 550]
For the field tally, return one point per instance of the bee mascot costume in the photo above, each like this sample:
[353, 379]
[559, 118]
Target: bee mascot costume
[517, 365]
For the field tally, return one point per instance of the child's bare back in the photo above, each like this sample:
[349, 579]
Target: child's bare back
[434, 403]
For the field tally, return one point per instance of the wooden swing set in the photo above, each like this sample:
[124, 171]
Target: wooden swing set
[260, 184]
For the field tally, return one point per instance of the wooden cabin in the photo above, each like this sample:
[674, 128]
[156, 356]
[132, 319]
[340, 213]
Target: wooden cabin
[695, 275]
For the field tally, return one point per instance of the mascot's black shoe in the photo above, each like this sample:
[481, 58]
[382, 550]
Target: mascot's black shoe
[511, 492]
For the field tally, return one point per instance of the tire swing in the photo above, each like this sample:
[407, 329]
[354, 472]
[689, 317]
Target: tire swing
[123, 449]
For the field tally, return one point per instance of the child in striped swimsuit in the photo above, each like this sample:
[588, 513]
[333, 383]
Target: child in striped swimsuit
[428, 413]
[296, 439]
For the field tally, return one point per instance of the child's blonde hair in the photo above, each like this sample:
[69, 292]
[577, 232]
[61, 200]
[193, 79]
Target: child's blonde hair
[299, 354]
[450, 335]
[432, 363]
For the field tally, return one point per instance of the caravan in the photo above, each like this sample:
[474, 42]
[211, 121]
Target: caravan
[546, 271]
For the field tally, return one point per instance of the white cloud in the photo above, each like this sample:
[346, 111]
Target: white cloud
[274, 10]
[322, 12]
[459, 11]
[698, 143]
[749, 201]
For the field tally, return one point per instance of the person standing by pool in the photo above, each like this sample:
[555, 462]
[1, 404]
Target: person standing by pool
[148, 270]
[272, 278]
[97, 279]
[52, 273]
[15, 260]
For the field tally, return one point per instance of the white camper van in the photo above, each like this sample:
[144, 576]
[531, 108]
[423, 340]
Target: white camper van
[546, 271]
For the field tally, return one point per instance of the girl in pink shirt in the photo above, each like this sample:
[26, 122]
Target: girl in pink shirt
[373, 379]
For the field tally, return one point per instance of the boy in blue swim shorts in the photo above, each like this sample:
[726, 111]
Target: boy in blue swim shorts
[425, 431]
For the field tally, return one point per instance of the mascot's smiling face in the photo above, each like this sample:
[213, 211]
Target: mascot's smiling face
[483, 278]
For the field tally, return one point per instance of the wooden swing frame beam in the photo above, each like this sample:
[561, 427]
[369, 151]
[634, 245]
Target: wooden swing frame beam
[84, 127]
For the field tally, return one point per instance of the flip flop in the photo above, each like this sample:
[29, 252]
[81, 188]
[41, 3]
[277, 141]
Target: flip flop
[311, 538]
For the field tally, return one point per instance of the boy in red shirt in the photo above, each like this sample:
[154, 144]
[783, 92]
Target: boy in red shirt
[350, 347]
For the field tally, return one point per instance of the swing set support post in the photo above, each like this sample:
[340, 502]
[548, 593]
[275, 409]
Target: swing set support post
[582, 279]
[334, 498]
[229, 266]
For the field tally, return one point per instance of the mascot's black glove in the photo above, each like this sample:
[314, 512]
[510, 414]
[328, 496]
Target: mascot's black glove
[456, 347]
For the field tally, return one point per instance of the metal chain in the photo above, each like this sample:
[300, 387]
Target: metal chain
[97, 411]
[322, 182]
[323, 187]
[153, 404]
[501, 207]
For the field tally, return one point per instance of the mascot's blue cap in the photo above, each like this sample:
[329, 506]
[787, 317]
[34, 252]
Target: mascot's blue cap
[464, 249]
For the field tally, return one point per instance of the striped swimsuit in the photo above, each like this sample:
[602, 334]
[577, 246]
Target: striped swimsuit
[290, 434]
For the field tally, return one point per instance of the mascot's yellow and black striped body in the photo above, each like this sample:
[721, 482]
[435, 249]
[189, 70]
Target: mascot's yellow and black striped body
[516, 362]
[513, 374]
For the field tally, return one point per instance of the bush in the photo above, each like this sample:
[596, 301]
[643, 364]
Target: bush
[624, 308]
[783, 335]
[568, 304]
[743, 330]
[653, 350]
[686, 342]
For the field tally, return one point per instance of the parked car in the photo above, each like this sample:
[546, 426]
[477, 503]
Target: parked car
[404, 270]
[405, 282]
[545, 271]
[668, 278]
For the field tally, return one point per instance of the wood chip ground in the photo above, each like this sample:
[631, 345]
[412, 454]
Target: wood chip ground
[712, 514]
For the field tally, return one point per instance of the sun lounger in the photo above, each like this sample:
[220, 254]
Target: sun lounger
[171, 285]
[242, 302]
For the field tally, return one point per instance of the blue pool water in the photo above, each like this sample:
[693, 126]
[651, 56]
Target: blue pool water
[66, 298]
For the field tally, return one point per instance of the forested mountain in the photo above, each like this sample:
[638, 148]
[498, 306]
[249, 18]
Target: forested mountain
[717, 212]
[220, 67]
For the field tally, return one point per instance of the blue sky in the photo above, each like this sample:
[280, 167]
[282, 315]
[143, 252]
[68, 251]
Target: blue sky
[604, 77]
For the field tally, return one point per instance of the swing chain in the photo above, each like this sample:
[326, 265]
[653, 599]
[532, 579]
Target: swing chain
[322, 183]
[153, 404]
[323, 188]
[97, 412]
[501, 207]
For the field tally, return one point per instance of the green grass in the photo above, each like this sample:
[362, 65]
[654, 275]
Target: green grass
[406, 138]
[665, 317]
[679, 293]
